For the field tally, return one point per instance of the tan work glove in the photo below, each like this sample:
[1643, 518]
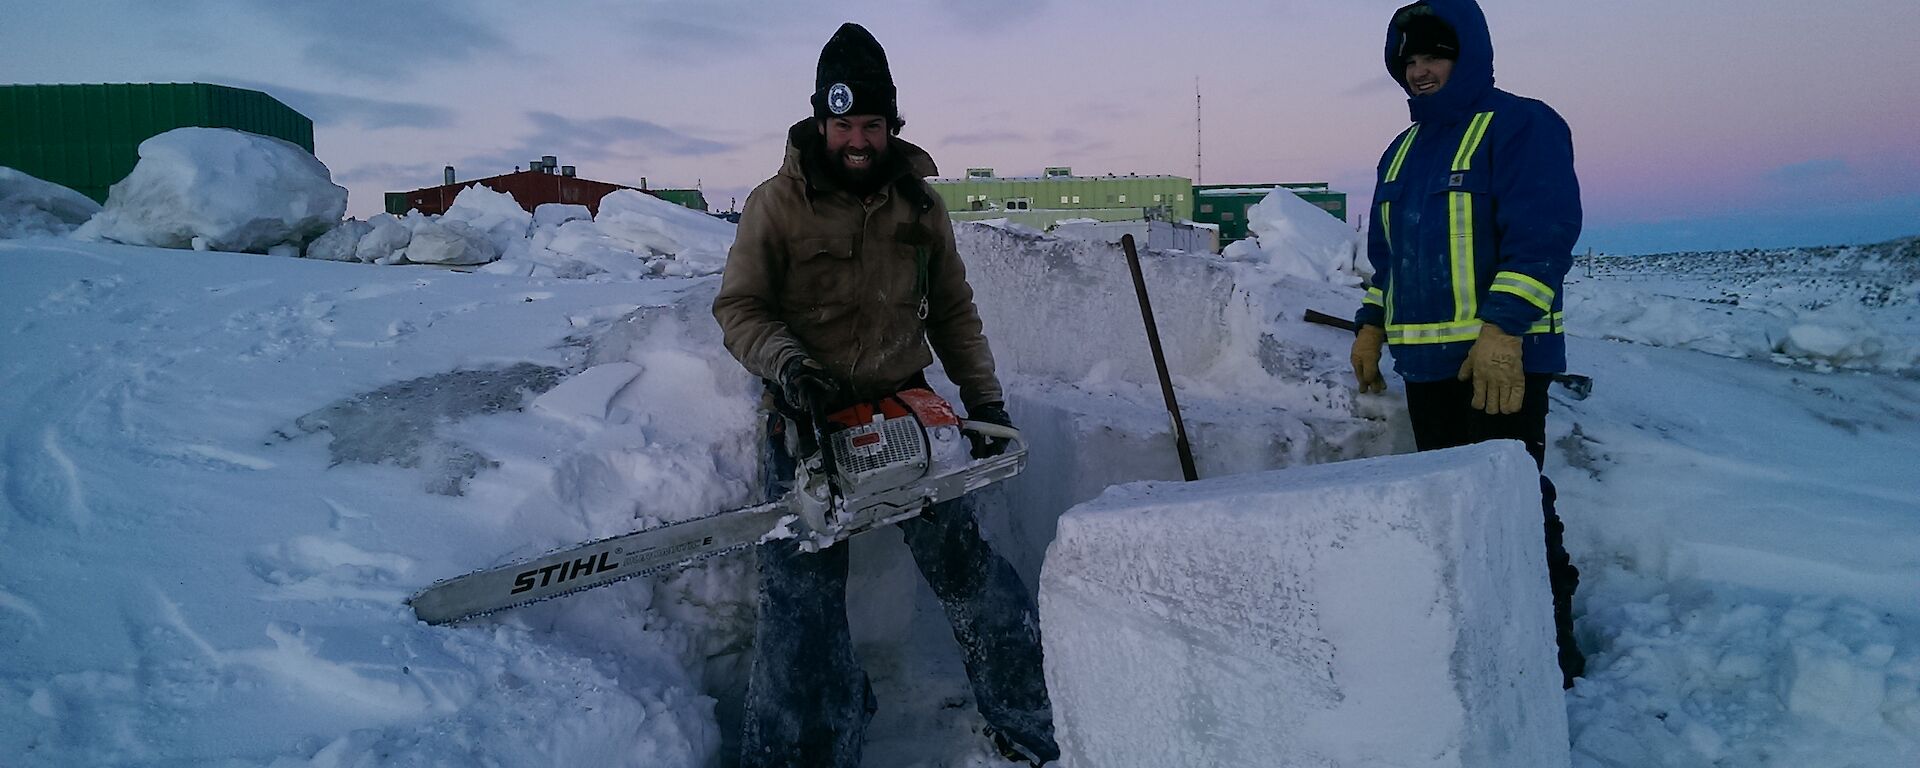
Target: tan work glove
[1493, 364]
[1366, 358]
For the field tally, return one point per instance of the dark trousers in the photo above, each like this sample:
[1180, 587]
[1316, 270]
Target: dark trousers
[808, 700]
[1443, 417]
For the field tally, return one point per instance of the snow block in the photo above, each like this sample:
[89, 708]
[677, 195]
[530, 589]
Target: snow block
[1382, 612]
[232, 190]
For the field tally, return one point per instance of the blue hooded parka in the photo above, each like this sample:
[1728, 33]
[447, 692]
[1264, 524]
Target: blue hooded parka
[1474, 216]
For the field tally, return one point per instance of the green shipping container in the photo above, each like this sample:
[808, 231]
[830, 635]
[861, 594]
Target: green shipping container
[691, 198]
[87, 137]
[1226, 205]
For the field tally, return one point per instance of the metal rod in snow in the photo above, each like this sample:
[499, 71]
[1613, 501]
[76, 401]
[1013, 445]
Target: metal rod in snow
[1160, 361]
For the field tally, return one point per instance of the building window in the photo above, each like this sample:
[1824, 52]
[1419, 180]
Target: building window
[1063, 199]
[1180, 197]
[1123, 198]
[1076, 199]
[1206, 207]
[1019, 203]
[969, 198]
[1156, 197]
[1226, 216]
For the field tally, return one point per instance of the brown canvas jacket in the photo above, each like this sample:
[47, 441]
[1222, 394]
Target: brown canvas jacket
[815, 271]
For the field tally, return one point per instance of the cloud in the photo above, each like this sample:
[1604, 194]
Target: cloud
[1073, 141]
[1817, 171]
[382, 40]
[604, 136]
[984, 137]
[397, 177]
[340, 109]
[604, 142]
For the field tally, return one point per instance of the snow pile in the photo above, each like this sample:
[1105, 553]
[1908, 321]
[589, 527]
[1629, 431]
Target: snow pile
[30, 206]
[1854, 307]
[1290, 236]
[220, 189]
[677, 241]
[495, 216]
[1296, 617]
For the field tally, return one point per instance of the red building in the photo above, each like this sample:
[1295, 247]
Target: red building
[531, 188]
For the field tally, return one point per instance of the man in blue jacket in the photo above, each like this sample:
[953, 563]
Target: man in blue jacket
[1475, 213]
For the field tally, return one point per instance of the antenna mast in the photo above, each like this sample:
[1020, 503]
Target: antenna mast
[1197, 177]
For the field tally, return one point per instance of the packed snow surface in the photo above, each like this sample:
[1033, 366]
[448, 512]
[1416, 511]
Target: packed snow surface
[223, 474]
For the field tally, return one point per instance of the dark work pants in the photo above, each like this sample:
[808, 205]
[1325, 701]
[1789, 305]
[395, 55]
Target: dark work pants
[1444, 417]
[808, 700]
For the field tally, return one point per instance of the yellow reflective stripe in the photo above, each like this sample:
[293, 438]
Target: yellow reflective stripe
[1374, 297]
[1400, 156]
[1534, 291]
[1460, 253]
[1433, 333]
[1466, 294]
[1554, 322]
[1470, 142]
[1459, 330]
[1386, 224]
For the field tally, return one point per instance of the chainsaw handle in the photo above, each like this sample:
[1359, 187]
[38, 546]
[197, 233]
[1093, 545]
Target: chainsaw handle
[1014, 441]
[990, 429]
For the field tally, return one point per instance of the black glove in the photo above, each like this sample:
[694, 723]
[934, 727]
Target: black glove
[806, 386]
[992, 413]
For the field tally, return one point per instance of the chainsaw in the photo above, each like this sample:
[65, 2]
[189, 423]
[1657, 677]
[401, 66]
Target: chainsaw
[869, 466]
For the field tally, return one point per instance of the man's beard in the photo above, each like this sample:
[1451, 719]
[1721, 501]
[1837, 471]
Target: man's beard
[863, 181]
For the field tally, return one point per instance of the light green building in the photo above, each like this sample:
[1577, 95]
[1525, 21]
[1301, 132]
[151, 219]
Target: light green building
[1058, 195]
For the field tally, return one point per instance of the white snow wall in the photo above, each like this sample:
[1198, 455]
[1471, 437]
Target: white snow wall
[1384, 612]
[1258, 388]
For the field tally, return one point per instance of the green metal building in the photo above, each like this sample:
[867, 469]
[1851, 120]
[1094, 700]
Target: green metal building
[1040, 201]
[1226, 204]
[87, 137]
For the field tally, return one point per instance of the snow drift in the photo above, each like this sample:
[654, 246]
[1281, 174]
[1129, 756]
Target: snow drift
[30, 206]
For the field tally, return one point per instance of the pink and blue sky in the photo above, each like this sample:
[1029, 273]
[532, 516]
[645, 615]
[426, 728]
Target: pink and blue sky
[1703, 124]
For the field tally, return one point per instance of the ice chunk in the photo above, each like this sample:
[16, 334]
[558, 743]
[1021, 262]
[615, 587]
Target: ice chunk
[238, 191]
[440, 241]
[549, 215]
[691, 242]
[388, 236]
[494, 215]
[30, 206]
[585, 397]
[339, 243]
[1389, 611]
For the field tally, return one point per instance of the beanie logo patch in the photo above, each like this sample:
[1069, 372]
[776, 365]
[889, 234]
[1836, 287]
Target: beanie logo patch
[839, 98]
